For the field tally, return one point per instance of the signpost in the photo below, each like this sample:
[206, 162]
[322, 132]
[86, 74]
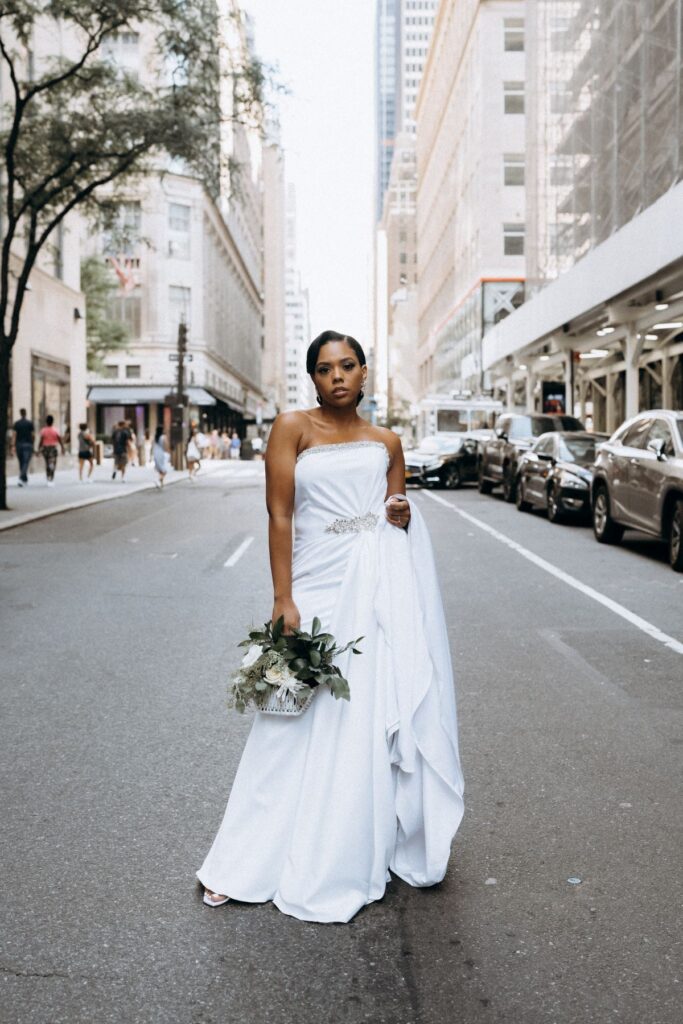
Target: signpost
[178, 399]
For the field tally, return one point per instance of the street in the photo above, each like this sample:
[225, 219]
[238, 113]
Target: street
[118, 631]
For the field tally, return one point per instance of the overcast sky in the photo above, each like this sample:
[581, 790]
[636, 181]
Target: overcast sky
[324, 50]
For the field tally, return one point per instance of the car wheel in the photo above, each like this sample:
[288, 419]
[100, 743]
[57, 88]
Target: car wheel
[555, 510]
[484, 486]
[451, 477]
[522, 505]
[509, 484]
[676, 538]
[604, 527]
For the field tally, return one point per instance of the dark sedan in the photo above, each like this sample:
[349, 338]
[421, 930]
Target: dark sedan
[445, 461]
[556, 474]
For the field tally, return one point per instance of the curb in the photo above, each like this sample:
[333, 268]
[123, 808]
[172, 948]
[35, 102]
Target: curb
[30, 517]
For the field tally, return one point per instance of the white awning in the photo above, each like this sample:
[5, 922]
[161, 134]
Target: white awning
[132, 394]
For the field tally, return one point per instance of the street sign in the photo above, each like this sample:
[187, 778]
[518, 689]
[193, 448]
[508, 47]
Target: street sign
[173, 356]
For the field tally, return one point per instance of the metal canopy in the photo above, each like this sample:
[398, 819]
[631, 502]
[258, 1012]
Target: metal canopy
[132, 395]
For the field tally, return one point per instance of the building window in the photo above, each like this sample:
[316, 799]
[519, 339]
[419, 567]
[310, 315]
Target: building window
[513, 239]
[179, 302]
[51, 391]
[513, 169]
[122, 237]
[110, 372]
[514, 97]
[402, 258]
[127, 309]
[513, 32]
[133, 372]
[179, 231]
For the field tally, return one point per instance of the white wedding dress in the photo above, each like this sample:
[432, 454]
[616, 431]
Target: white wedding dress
[323, 804]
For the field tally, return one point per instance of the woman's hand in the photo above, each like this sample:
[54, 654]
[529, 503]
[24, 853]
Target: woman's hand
[397, 511]
[285, 606]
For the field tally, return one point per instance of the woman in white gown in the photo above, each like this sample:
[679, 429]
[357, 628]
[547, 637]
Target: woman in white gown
[324, 805]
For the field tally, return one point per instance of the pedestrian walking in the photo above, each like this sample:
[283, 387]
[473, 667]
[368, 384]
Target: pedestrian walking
[161, 455]
[86, 452]
[133, 457]
[24, 436]
[225, 445]
[120, 439]
[147, 448]
[192, 455]
[215, 449]
[381, 774]
[235, 445]
[50, 440]
[202, 442]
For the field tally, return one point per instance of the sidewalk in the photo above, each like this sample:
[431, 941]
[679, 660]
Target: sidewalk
[37, 500]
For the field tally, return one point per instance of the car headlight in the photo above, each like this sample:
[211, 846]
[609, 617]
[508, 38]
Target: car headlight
[570, 480]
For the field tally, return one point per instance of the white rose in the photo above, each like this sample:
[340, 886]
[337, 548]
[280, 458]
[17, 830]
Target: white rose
[275, 674]
[251, 656]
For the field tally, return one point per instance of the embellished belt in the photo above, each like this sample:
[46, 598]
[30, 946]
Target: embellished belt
[354, 525]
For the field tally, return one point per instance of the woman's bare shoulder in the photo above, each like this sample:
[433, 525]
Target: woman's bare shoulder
[387, 437]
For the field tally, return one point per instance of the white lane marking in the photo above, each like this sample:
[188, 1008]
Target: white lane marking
[614, 606]
[236, 555]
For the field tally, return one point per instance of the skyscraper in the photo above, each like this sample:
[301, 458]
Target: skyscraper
[387, 84]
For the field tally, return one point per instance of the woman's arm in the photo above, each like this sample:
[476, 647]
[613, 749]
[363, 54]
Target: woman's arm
[280, 463]
[397, 511]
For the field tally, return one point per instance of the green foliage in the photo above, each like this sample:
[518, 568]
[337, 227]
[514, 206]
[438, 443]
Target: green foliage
[305, 657]
[103, 334]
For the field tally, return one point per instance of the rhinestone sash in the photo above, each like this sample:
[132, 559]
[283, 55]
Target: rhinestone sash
[354, 525]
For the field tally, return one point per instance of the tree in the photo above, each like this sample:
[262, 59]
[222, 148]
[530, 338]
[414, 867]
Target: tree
[103, 333]
[77, 127]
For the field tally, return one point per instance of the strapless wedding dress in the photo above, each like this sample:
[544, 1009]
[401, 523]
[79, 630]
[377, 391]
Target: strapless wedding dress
[324, 804]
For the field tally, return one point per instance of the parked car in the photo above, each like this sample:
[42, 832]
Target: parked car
[445, 461]
[556, 474]
[515, 433]
[638, 481]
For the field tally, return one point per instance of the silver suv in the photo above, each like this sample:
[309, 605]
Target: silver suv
[638, 481]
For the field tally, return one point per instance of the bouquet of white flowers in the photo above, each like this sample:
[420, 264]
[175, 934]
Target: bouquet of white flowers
[281, 671]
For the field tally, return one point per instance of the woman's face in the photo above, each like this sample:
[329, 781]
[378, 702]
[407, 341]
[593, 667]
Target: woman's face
[338, 375]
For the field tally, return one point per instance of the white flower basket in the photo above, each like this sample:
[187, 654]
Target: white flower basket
[269, 703]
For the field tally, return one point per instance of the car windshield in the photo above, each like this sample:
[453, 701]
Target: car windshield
[534, 426]
[679, 424]
[435, 445]
[577, 449]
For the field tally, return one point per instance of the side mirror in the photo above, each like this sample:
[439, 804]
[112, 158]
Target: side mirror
[658, 447]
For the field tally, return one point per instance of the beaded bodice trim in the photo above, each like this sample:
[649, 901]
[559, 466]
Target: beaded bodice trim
[345, 444]
[354, 525]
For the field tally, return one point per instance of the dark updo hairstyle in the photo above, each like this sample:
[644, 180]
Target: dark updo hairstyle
[322, 339]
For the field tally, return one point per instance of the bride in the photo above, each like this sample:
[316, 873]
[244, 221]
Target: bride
[324, 805]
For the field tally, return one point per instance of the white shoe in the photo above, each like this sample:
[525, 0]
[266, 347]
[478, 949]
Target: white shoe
[214, 899]
[50, 483]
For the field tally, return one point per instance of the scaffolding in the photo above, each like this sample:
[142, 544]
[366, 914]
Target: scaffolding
[604, 121]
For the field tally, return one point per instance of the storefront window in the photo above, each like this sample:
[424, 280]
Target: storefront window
[51, 392]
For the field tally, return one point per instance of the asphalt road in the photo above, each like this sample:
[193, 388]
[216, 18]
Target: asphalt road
[117, 754]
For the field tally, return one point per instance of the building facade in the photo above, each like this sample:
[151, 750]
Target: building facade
[605, 197]
[180, 254]
[394, 362]
[471, 188]
[48, 362]
[273, 377]
[299, 389]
